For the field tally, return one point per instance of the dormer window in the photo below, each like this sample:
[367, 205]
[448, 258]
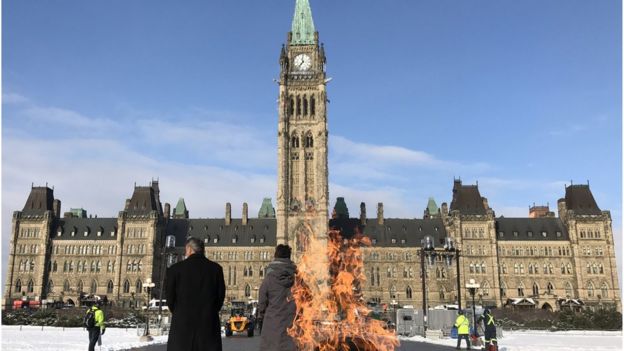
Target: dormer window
[86, 232]
[234, 239]
[558, 234]
[99, 233]
[253, 239]
[501, 234]
[402, 241]
[374, 241]
[544, 234]
[215, 239]
[515, 234]
[530, 234]
[60, 231]
[262, 239]
[394, 240]
[73, 233]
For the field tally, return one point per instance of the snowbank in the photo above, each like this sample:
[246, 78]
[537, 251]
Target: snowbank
[547, 341]
[54, 338]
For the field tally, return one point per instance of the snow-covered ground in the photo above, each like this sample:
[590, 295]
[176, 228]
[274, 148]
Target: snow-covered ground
[547, 341]
[53, 338]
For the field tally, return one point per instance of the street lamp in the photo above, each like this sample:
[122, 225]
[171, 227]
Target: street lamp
[429, 251]
[148, 289]
[472, 287]
[166, 253]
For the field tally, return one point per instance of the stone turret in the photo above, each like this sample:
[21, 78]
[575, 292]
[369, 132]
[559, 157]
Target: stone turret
[362, 213]
[380, 213]
[245, 213]
[228, 213]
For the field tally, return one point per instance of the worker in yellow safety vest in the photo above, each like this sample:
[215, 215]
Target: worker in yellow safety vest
[489, 327]
[463, 329]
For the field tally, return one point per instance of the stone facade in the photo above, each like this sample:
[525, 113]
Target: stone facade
[541, 261]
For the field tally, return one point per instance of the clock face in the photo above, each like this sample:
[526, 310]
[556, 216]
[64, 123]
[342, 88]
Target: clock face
[303, 62]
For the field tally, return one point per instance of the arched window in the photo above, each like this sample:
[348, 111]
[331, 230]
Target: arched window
[65, 266]
[80, 286]
[298, 105]
[50, 287]
[516, 271]
[294, 142]
[126, 287]
[377, 275]
[71, 266]
[569, 268]
[139, 266]
[305, 105]
[408, 292]
[535, 289]
[18, 286]
[563, 270]
[521, 289]
[568, 290]
[503, 289]
[601, 269]
[247, 290]
[109, 266]
[66, 286]
[134, 266]
[472, 268]
[309, 141]
[30, 287]
[393, 292]
[590, 289]
[312, 105]
[54, 266]
[261, 271]
[485, 289]
[521, 268]
[291, 105]
[139, 286]
[604, 290]
[93, 287]
[389, 273]
[442, 293]
[550, 288]
[109, 287]
[250, 271]
[92, 266]
[245, 273]
[483, 267]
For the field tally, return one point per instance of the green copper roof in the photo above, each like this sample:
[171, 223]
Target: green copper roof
[341, 208]
[432, 206]
[180, 208]
[78, 212]
[302, 25]
[266, 210]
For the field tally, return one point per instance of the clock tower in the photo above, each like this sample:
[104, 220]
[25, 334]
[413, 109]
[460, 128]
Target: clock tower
[302, 193]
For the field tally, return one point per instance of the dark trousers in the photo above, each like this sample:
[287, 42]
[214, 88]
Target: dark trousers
[465, 337]
[490, 337]
[94, 335]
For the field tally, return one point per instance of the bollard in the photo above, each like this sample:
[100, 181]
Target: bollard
[42, 328]
[20, 328]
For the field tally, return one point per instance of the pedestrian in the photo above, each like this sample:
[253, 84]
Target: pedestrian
[195, 293]
[276, 306]
[94, 323]
[489, 328]
[463, 329]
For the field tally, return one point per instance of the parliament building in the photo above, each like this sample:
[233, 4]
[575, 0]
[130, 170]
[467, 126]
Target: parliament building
[545, 260]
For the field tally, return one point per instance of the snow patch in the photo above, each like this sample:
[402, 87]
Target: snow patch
[16, 338]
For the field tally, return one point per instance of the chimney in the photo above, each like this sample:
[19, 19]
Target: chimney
[563, 211]
[245, 213]
[167, 210]
[485, 203]
[362, 213]
[380, 215]
[56, 207]
[228, 213]
[444, 209]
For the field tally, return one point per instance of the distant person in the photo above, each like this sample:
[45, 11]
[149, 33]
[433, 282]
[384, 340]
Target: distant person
[489, 328]
[94, 323]
[463, 329]
[276, 306]
[195, 293]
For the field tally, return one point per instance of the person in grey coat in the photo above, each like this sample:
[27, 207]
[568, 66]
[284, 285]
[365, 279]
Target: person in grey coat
[276, 306]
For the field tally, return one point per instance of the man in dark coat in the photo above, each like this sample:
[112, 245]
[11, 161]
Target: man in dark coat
[489, 328]
[195, 293]
[276, 306]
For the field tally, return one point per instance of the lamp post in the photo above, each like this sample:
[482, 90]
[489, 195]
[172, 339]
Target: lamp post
[472, 287]
[429, 251]
[148, 289]
[166, 253]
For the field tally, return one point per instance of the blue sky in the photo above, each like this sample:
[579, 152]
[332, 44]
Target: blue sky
[521, 96]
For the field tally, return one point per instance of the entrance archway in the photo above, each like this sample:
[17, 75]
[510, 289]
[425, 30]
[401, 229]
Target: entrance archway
[547, 307]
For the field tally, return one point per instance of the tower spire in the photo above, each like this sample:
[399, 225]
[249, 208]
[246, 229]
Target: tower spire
[302, 25]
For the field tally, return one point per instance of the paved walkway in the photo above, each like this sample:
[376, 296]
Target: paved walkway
[237, 343]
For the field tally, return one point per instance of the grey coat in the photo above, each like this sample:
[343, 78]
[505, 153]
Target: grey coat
[276, 306]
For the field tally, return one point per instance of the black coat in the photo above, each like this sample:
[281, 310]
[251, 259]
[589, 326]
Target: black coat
[195, 293]
[276, 306]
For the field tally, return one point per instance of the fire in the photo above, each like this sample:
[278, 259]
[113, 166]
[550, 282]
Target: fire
[331, 312]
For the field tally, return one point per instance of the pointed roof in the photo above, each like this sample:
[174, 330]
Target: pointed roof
[302, 24]
[180, 210]
[266, 210]
[341, 209]
[432, 206]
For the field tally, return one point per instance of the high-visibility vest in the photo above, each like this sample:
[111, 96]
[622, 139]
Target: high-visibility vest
[462, 324]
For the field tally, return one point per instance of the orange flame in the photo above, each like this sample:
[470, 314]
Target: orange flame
[331, 312]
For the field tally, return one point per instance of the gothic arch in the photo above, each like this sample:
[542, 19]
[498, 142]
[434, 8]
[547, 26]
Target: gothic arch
[309, 140]
[247, 290]
[408, 292]
[66, 285]
[109, 287]
[126, 287]
[535, 289]
[80, 286]
[18, 286]
[94, 285]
